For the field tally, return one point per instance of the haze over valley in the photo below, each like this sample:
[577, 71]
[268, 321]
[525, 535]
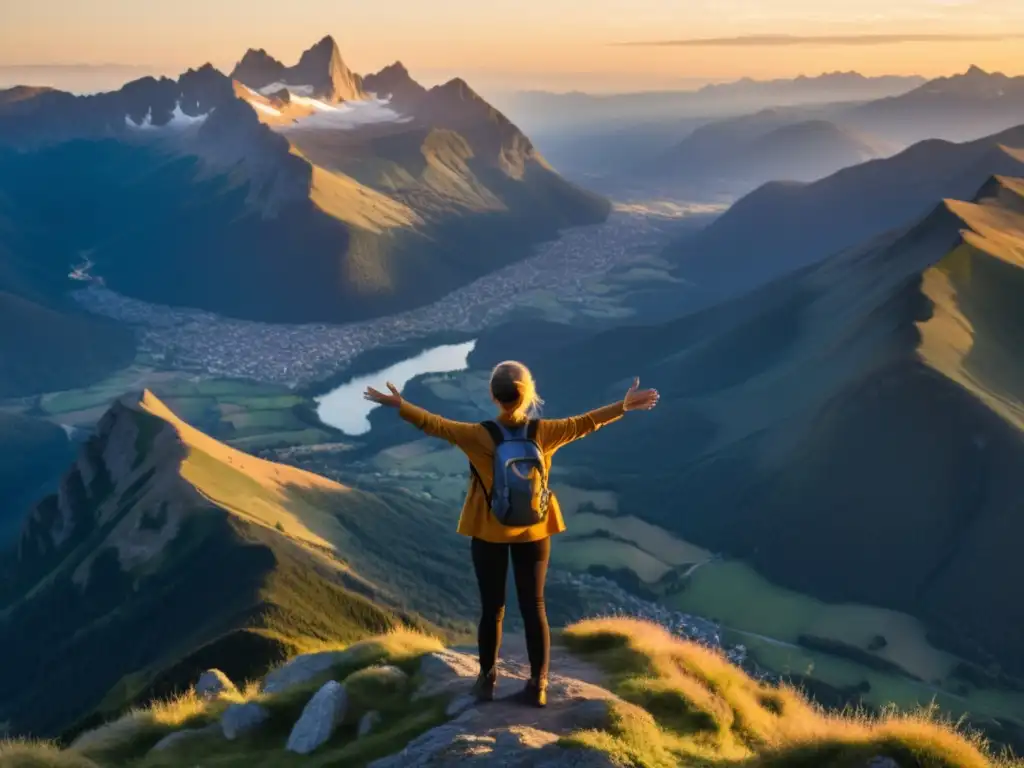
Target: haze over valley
[821, 270]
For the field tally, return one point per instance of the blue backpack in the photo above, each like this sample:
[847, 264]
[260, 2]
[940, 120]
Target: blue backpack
[520, 495]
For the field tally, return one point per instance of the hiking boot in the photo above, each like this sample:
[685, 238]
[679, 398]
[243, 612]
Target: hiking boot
[483, 688]
[534, 693]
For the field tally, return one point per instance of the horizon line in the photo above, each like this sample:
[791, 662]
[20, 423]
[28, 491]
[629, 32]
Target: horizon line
[797, 40]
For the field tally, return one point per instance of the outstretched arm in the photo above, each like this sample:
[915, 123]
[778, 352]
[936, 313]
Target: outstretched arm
[555, 433]
[459, 433]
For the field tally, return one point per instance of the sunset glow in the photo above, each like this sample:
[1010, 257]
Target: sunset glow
[557, 44]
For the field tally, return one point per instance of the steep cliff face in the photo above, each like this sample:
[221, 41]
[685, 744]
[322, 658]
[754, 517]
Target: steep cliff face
[321, 73]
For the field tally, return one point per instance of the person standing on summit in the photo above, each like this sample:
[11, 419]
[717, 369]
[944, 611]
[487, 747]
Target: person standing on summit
[509, 510]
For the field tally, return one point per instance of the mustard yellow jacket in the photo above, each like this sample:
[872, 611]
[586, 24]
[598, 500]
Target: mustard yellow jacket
[474, 440]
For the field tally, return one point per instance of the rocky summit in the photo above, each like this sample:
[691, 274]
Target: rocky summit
[622, 692]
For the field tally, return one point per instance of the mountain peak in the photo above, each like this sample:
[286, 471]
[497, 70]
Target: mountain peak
[327, 42]
[321, 71]
[323, 68]
[395, 83]
[458, 88]
[325, 51]
[976, 71]
[258, 68]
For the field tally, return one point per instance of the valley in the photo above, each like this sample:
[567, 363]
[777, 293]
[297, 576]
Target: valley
[563, 276]
[822, 276]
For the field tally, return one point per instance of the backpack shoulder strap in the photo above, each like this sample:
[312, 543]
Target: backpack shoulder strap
[495, 431]
[480, 480]
[498, 437]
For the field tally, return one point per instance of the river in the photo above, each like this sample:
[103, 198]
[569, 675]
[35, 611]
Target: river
[344, 407]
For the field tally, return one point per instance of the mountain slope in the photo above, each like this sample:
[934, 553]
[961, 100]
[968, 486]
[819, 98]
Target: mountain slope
[736, 156]
[165, 552]
[284, 206]
[785, 226]
[50, 327]
[853, 430]
[959, 108]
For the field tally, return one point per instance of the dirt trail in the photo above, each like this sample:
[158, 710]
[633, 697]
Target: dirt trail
[504, 732]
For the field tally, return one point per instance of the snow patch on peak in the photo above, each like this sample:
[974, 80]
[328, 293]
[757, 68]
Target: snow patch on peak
[294, 90]
[145, 125]
[349, 114]
[179, 120]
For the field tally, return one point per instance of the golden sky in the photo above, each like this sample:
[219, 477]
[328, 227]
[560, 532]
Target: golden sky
[555, 44]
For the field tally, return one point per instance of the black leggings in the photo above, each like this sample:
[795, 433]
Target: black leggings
[530, 568]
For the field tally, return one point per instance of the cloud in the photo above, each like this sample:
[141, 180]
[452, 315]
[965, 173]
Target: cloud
[776, 41]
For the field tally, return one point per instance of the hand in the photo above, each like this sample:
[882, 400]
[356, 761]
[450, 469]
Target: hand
[637, 399]
[394, 400]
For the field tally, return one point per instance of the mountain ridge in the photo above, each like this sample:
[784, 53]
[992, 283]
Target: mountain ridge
[385, 205]
[859, 203]
[151, 510]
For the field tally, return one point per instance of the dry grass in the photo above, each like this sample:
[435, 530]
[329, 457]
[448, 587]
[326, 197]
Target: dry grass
[39, 754]
[396, 646]
[140, 728]
[693, 706]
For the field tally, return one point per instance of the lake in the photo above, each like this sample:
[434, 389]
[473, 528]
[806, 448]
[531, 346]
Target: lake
[344, 407]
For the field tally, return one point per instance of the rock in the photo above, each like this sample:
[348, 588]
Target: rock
[214, 684]
[508, 747]
[368, 723]
[319, 719]
[239, 719]
[302, 669]
[172, 740]
[460, 704]
[442, 670]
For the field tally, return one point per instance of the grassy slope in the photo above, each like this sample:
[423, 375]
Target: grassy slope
[691, 706]
[194, 556]
[823, 422]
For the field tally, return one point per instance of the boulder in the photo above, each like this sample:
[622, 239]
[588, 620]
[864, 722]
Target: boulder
[319, 719]
[172, 740]
[443, 670]
[368, 723]
[214, 684]
[457, 744]
[239, 719]
[302, 669]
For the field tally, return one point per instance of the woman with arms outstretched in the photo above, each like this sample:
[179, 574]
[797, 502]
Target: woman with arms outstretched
[509, 511]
